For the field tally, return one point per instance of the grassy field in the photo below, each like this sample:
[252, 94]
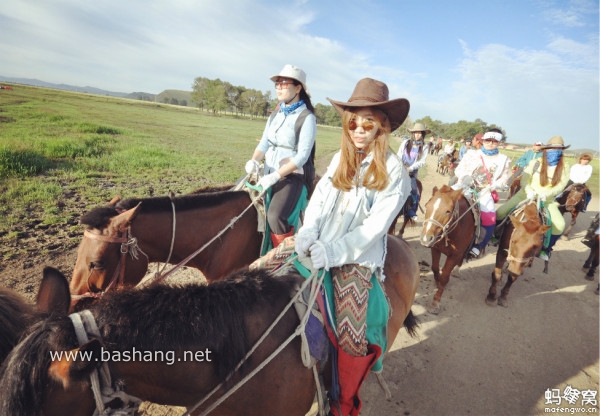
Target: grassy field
[62, 153]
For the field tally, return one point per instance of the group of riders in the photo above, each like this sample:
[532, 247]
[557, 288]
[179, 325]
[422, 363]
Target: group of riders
[344, 227]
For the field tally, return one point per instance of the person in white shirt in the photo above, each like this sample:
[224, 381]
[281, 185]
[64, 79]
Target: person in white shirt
[580, 172]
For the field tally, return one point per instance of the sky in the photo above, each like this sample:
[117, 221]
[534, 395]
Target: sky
[528, 66]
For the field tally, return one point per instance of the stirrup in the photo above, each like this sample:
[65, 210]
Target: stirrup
[475, 252]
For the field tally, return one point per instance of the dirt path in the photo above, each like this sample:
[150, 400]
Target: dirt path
[471, 359]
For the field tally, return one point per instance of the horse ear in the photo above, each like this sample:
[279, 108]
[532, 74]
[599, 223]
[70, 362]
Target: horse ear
[67, 370]
[543, 228]
[514, 220]
[124, 219]
[53, 295]
[115, 200]
[435, 189]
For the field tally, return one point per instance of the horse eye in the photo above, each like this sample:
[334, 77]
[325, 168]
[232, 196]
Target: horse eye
[96, 265]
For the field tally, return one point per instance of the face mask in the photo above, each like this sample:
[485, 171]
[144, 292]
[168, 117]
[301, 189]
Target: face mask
[553, 156]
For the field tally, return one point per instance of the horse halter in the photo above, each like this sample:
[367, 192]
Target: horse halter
[128, 245]
[446, 228]
[509, 257]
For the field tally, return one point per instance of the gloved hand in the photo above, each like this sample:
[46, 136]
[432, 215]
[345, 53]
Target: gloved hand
[252, 166]
[267, 181]
[318, 255]
[542, 197]
[530, 194]
[303, 242]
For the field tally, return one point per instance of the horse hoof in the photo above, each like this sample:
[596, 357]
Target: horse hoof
[491, 301]
[591, 278]
[433, 309]
[503, 302]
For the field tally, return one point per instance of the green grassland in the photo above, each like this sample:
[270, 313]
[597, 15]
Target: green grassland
[59, 148]
[62, 153]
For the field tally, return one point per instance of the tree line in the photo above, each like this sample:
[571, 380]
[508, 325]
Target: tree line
[218, 96]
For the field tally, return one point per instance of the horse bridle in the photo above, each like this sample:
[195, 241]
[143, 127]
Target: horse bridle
[510, 257]
[449, 226]
[128, 245]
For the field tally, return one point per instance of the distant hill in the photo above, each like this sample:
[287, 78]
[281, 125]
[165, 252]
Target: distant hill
[177, 97]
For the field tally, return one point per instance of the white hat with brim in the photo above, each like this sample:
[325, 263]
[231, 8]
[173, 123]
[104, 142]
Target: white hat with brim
[419, 127]
[372, 93]
[293, 72]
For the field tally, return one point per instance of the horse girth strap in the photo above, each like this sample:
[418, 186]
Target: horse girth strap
[100, 379]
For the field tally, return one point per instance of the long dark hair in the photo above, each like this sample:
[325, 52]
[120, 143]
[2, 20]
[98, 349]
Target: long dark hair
[304, 96]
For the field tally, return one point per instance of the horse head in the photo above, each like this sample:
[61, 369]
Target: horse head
[439, 212]
[575, 197]
[526, 239]
[102, 254]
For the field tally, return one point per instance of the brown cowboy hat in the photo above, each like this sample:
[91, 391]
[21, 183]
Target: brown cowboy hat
[420, 127]
[372, 93]
[556, 142]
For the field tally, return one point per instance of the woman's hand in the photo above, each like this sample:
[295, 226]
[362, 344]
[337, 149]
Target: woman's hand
[318, 255]
[252, 167]
[267, 181]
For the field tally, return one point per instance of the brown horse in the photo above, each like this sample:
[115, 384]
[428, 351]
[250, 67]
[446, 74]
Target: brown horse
[521, 240]
[572, 201]
[437, 148]
[404, 213]
[448, 229]
[185, 359]
[146, 229]
[446, 162]
[17, 314]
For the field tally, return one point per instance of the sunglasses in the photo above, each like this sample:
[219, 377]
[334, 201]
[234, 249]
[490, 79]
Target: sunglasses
[366, 125]
[283, 83]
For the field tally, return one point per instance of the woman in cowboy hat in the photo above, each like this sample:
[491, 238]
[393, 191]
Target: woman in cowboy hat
[285, 151]
[485, 170]
[413, 153]
[345, 230]
[543, 180]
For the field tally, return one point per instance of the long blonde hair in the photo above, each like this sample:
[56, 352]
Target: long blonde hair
[376, 176]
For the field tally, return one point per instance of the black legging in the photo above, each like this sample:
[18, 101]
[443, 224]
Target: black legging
[285, 195]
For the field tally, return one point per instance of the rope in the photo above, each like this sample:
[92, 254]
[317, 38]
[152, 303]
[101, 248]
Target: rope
[158, 268]
[219, 234]
[299, 329]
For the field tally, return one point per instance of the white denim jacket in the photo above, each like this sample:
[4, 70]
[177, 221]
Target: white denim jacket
[353, 225]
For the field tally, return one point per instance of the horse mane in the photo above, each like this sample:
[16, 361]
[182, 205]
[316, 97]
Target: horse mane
[16, 314]
[208, 197]
[214, 315]
[150, 319]
[99, 217]
[24, 375]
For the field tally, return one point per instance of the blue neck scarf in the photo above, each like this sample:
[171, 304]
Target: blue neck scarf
[553, 156]
[289, 108]
[489, 152]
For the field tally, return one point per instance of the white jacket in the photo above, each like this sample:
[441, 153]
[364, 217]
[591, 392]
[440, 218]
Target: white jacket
[353, 225]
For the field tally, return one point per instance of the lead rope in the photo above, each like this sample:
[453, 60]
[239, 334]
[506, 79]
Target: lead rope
[297, 332]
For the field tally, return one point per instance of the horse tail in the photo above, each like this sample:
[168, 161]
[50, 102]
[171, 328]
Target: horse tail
[411, 323]
[24, 375]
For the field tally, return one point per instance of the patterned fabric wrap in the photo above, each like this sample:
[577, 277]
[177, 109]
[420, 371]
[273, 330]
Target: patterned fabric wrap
[273, 259]
[351, 285]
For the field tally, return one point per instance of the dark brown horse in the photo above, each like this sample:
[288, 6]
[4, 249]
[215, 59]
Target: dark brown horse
[520, 242]
[217, 324]
[592, 240]
[404, 213]
[124, 237]
[17, 314]
[572, 201]
[448, 229]
[437, 148]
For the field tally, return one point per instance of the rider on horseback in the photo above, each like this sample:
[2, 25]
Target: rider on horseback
[485, 170]
[580, 173]
[413, 153]
[543, 180]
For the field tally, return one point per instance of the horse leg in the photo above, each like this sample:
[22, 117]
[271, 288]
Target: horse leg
[441, 280]
[502, 300]
[392, 229]
[496, 277]
[546, 262]
[565, 235]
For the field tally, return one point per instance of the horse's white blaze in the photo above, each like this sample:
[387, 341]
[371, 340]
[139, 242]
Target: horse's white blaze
[436, 206]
